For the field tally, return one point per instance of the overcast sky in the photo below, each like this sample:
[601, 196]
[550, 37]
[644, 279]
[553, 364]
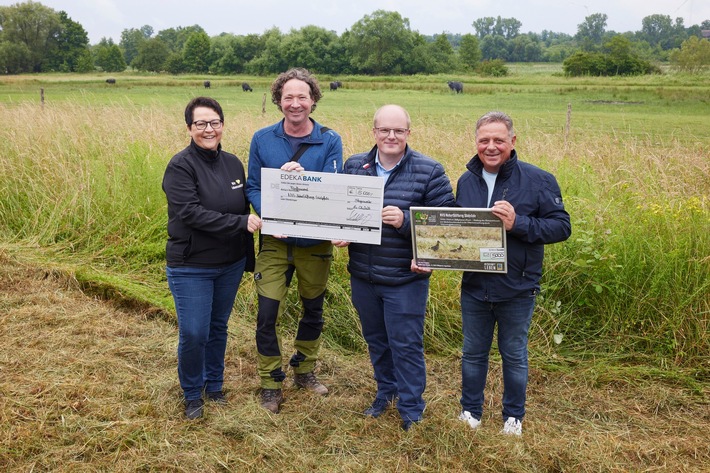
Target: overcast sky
[107, 18]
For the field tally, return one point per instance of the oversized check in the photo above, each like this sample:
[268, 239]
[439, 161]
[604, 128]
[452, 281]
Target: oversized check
[322, 205]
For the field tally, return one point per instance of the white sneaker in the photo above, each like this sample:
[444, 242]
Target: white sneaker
[468, 418]
[512, 426]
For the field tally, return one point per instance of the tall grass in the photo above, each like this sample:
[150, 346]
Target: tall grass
[80, 183]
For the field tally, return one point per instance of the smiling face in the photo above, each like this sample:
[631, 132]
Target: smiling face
[494, 145]
[394, 120]
[209, 138]
[296, 102]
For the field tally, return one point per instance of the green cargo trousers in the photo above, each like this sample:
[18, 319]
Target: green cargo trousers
[276, 264]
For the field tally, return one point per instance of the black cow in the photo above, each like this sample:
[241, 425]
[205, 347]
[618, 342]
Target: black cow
[207, 84]
[246, 88]
[110, 81]
[335, 85]
[456, 86]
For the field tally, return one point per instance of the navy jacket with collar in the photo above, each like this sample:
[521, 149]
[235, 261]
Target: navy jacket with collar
[418, 181]
[540, 218]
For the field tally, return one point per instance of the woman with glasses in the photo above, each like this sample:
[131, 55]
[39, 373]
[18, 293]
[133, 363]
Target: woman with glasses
[210, 245]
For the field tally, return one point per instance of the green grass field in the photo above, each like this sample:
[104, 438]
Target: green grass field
[625, 301]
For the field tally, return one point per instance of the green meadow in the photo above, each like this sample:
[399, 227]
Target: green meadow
[625, 302]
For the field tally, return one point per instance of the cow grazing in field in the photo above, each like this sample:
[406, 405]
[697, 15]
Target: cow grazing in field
[456, 86]
[335, 85]
[245, 87]
[111, 81]
[207, 84]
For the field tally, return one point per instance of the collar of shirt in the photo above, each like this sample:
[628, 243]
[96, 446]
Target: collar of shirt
[381, 171]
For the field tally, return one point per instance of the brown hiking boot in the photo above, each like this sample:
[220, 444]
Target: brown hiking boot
[271, 399]
[310, 382]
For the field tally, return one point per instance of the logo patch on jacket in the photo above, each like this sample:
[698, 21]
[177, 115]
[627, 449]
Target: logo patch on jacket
[236, 184]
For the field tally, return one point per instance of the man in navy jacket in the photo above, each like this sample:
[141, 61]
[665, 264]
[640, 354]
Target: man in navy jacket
[389, 296]
[529, 202]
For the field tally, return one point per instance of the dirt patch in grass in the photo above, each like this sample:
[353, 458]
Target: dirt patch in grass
[87, 385]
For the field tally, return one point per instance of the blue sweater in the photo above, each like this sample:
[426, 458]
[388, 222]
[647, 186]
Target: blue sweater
[540, 218]
[270, 148]
[418, 181]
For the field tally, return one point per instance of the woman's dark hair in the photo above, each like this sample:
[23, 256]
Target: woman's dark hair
[300, 74]
[202, 102]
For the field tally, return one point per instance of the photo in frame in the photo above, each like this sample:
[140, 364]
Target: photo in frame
[460, 239]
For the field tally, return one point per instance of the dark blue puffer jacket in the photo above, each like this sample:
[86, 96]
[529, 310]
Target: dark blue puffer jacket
[418, 181]
[540, 218]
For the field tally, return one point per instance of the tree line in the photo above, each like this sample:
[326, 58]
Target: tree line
[36, 38]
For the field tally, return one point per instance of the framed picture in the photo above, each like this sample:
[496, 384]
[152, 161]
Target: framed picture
[461, 239]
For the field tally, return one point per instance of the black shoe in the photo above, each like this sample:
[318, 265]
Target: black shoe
[217, 397]
[377, 408]
[194, 408]
[408, 424]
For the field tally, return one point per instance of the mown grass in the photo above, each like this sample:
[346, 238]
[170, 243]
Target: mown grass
[91, 387]
[625, 301]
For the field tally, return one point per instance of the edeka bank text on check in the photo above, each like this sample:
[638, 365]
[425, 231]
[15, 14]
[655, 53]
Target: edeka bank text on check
[321, 205]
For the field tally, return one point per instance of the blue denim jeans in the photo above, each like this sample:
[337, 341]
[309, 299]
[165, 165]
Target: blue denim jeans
[204, 298]
[392, 319]
[479, 319]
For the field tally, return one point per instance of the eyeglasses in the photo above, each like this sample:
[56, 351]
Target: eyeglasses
[398, 132]
[201, 124]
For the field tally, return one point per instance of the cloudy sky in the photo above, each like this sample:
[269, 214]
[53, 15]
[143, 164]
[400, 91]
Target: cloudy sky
[107, 18]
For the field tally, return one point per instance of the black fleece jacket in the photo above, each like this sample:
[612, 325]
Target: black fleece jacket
[207, 209]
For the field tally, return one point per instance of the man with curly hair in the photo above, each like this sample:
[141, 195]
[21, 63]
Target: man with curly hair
[295, 93]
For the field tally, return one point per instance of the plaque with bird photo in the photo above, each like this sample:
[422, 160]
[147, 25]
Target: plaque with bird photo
[460, 239]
